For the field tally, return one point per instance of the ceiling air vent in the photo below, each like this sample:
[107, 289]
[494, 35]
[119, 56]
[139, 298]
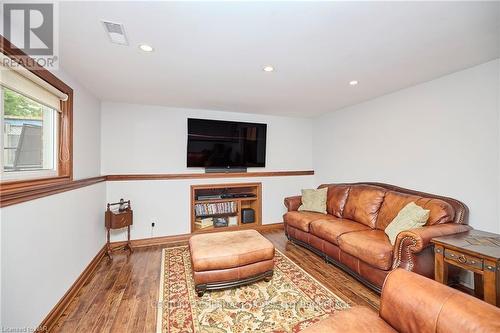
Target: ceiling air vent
[116, 32]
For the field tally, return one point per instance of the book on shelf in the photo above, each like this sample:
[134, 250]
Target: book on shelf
[204, 222]
[204, 209]
[203, 226]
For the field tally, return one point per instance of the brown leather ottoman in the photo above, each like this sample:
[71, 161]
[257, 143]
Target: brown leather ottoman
[228, 259]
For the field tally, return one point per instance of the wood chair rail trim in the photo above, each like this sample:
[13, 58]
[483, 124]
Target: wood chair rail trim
[167, 176]
[12, 193]
[18, 194]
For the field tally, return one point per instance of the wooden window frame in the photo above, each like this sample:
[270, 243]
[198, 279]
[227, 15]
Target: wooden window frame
[65, 128]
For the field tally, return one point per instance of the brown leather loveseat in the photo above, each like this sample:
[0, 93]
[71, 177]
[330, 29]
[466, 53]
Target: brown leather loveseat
[351, 234]
[413, 304]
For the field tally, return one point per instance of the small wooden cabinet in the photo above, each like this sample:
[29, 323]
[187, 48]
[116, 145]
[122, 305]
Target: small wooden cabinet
[118, 220]
[232, 199]
[115, 219]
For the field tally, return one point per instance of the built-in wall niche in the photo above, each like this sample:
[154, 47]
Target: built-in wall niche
[217, 207]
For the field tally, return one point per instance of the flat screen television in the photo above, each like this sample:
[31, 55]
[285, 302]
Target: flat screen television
[225, 144]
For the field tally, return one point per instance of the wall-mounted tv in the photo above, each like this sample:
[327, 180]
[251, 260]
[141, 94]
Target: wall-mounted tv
[225, 144]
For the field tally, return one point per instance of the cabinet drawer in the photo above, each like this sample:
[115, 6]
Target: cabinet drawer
[464, 259]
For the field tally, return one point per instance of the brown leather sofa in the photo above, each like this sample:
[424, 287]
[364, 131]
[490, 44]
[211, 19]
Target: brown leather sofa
[351, 234]
[411, 303]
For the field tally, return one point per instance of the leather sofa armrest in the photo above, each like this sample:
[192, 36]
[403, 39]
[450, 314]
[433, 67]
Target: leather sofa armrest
[293, 203]
[414, 241]
[413, 303]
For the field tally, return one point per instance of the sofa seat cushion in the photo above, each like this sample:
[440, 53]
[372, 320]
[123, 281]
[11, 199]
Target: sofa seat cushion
[301, 220]
[330, 230]
[356, 319]
[370, 246]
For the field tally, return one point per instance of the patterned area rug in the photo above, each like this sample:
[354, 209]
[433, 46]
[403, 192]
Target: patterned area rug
[291, 301]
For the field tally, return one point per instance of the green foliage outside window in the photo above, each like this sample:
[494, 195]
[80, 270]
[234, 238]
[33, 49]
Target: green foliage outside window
[17, 105]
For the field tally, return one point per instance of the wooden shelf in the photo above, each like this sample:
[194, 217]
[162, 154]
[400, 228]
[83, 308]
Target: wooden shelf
[217, 215]
[224, 200]
[254, 202]
[228, 228]
[204, 229]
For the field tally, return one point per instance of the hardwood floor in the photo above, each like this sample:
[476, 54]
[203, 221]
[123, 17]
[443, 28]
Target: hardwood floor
[122, 295]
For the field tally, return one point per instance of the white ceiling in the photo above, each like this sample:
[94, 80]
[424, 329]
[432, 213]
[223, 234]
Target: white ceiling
[210, 55]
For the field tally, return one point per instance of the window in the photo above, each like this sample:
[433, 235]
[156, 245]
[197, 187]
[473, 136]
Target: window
[36, 128]
[29, 137]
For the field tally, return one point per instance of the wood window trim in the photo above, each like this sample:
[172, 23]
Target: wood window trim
[65, 127]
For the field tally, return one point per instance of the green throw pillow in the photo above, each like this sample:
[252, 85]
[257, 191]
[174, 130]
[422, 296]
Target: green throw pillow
[410, 217]
[314, 200]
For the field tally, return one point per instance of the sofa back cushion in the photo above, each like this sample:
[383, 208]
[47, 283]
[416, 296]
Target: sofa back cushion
[336, 199]
[440, 211]
[363, 204]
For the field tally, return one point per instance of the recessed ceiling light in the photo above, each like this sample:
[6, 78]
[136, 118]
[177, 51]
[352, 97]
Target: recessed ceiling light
[146, 48]
[353, 82]
[268, 68]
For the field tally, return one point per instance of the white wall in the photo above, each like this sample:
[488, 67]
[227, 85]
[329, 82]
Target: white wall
[166, 202]
[441, 137]
[152, 139]
[46, 243]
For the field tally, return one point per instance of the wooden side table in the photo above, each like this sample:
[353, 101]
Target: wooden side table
[115, 219]
[475, 251]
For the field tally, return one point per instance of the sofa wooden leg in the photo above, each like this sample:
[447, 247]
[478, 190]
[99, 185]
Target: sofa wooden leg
[200, 290]
[269, 277]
